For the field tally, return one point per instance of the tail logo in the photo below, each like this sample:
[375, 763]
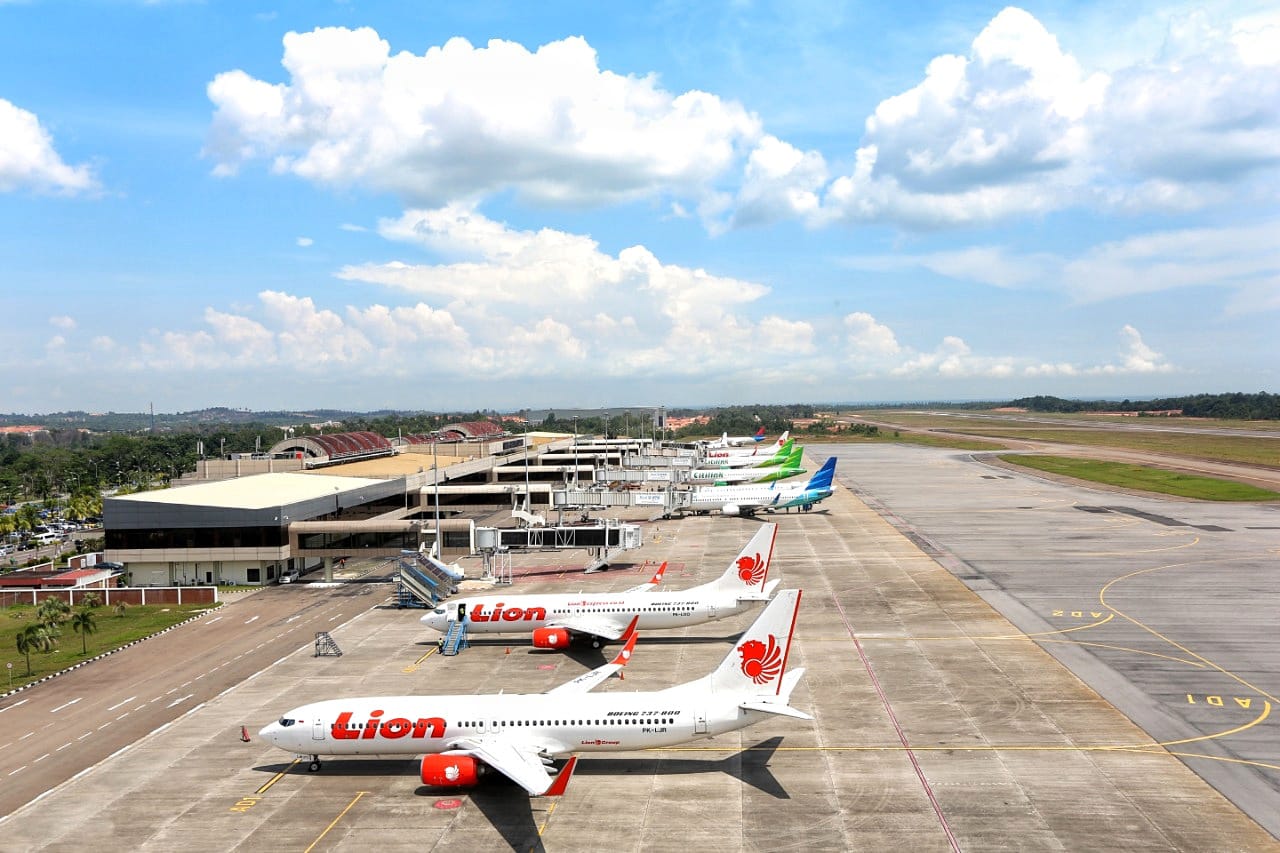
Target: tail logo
[751, 570]
[761, 663]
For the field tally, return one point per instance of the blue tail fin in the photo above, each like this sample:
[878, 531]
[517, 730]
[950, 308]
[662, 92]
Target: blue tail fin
[824, 475]
[759, 436]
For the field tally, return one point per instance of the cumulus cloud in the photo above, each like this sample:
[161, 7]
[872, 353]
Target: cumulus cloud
[305, 241]
[1019, 127]
[28, 159]
[63, 322]
[460, 122]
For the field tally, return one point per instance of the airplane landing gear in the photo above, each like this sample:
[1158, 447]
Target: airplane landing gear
[314, 766]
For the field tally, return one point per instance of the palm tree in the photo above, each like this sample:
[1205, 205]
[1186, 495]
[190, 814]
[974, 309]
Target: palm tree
[82, 623]
[33, 638]
[50, 613]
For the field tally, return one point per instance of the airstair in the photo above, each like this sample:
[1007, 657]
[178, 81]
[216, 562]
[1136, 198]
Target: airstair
[325, 646]
[455, 640]
[423, 581]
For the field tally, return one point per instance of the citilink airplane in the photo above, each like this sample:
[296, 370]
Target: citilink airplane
[555, 619]
[463, 737]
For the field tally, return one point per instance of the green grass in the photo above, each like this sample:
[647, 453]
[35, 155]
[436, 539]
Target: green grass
[1141, 434]
[112, 632]
[1143, 478]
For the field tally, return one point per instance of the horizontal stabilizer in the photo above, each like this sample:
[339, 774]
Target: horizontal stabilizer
[764, 594]
[773, 708]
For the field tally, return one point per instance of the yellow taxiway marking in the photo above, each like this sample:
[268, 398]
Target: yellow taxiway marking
[342, 813]
[543, 827]
[414, 666]
[276, 778]
[1102, 597]
[1130, 553]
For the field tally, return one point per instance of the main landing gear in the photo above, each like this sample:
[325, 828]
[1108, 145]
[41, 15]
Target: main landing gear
[314, 766]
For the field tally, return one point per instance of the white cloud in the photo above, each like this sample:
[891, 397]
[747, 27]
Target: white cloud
[28, 159]
[305, 241]
[1019, 127]
[63, 322]
[1242, 259]
[461, 121]
[867, 338]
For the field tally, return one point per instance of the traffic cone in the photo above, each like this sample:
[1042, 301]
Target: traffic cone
[244, 734]
[508, 650]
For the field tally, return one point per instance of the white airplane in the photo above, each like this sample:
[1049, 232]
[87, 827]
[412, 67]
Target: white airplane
[736, 441]
[762, 450]
[752, 461]
[464, 737]
[555, 619]
[762, 473]
[750, 499]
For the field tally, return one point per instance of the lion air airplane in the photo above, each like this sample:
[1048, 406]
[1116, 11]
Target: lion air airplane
[722, 462]
[556, 619]
[762, 450]
[736, 441]
[518, 735]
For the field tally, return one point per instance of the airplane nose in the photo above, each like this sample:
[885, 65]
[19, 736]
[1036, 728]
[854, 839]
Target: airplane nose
[269, 732]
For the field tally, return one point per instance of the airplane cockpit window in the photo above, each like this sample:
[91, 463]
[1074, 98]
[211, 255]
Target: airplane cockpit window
[286, 722]
[439, 611]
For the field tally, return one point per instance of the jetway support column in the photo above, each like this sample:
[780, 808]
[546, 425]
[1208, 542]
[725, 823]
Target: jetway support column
[328, 569]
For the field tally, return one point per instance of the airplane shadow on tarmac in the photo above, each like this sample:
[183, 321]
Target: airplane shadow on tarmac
[511, 811]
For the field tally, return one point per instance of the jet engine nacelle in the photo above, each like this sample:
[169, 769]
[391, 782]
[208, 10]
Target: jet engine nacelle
[550, 638]
[451, 771]
[730, 509]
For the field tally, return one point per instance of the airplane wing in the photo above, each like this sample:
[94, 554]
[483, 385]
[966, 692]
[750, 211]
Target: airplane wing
[588, 680]
[593, 626]
[519, 762]
[652, 582]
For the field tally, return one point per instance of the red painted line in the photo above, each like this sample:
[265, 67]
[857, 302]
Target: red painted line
[902, 737]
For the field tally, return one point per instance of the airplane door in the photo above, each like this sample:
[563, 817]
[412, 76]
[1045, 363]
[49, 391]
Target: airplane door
[462, 612]
[699, 722]
[711, 610]
[317, 729]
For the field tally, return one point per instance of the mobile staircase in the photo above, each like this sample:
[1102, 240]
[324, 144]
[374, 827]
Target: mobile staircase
[423, 581]
[455, 640]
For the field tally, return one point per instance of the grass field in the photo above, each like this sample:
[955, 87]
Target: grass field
[1250, 450]
[112, 632]
[1142, 478]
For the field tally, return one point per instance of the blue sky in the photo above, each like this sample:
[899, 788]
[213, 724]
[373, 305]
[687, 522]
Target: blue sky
[484, 205]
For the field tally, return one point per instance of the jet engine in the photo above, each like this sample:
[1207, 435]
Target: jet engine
[730, 509]
[451, 771]
[550, 638]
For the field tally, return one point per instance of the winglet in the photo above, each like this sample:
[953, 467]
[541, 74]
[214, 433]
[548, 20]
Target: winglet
[561, 781]
[630, 636]
[657, 576]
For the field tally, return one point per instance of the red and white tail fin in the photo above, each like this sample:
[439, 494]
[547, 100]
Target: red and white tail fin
[747, 573]
[758, 661]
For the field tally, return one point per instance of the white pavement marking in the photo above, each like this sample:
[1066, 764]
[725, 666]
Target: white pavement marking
[41, 758]
[214, 619]
[118, 704]
[254, 619]
[15, 704]
[27, 735]
[19, 770]
[291, 618]
[83, 736]
[66, 705]
[64, 746]
[179, 701]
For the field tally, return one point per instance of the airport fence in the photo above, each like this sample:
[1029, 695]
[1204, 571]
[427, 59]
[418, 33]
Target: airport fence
[131, 595]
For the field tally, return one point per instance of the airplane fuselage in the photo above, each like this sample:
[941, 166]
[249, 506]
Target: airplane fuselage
[416, 725]
[524, 613]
